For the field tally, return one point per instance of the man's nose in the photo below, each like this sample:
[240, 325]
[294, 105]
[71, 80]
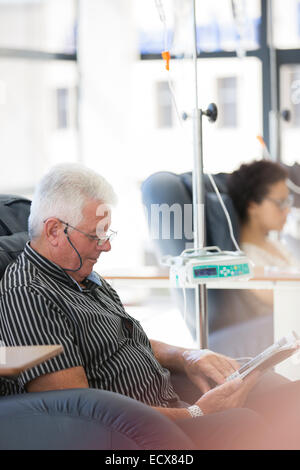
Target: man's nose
[105, 247]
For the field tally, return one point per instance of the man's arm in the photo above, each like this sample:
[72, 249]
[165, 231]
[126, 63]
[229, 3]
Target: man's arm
[169, 356]
[43, 322]
[74, 377]
[198, 365]
[229, 395]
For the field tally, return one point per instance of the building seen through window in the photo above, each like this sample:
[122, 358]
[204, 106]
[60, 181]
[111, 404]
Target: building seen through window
[123, 121]
[38, 76]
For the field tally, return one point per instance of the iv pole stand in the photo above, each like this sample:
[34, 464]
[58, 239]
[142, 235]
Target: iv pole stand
[201, 314]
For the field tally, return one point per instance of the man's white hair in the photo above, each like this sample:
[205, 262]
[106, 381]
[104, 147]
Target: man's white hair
[63, 193]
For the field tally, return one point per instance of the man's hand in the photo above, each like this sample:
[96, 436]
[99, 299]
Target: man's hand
[229, 395]
[200, 365]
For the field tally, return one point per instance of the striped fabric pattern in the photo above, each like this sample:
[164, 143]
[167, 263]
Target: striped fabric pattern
[41, 304]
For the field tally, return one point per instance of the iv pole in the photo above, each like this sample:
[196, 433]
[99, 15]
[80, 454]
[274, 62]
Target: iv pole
[198, 198]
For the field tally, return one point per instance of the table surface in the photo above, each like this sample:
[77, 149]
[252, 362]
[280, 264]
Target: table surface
[15, 359]
[156, 273]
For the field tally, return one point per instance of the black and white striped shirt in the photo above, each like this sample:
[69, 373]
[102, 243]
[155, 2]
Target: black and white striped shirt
[41, 304]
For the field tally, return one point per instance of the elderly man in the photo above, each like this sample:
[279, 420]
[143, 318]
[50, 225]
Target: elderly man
[51, 295]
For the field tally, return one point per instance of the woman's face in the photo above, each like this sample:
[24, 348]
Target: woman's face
[272, 212]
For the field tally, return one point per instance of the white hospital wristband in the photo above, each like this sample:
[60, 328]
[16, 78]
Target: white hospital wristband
[195, 411]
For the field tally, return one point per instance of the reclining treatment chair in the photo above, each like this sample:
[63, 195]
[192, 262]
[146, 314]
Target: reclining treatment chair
[234, 329]
[78, 418]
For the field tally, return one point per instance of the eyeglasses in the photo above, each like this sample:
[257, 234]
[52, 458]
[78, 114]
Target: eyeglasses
[283, 204]
[100, 240]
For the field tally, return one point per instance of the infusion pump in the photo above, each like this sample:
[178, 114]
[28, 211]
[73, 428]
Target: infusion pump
[202, 266]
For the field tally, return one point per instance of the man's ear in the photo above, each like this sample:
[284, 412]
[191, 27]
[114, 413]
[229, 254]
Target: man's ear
[53, 230]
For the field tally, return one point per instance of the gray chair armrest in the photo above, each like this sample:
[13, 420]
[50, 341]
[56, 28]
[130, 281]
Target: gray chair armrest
[85, 419]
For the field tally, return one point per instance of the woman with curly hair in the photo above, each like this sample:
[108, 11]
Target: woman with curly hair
[262, 200]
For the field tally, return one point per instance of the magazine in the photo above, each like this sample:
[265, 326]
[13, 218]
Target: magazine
[274, 354]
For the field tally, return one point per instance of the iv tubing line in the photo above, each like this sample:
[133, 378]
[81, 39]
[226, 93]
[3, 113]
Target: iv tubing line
[225, 212]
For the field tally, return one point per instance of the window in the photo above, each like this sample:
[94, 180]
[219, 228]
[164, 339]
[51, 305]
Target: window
[290, 100]
[30, 118]
[290, 93]
[227, 100]
[294, 87]
[164, 105]
[45, 25]
[286, 23]
[62, 96]
[225, 25]
[66, 107]
[37, 56]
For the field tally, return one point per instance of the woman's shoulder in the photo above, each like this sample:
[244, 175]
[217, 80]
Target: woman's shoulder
[284, 249]
[248, 247]
[263, 257]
